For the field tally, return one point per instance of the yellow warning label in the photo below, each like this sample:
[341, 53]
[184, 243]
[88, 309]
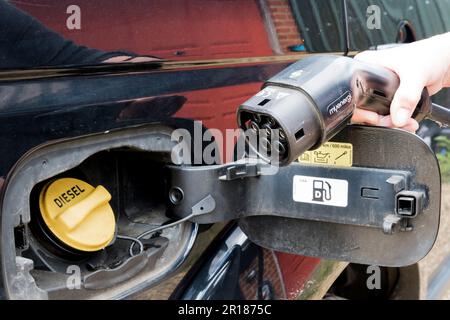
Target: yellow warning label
[331, 154]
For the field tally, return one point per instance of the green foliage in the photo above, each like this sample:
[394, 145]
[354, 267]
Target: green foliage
[443, 143]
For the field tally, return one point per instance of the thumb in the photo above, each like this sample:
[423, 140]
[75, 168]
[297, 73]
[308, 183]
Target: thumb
[405, 100]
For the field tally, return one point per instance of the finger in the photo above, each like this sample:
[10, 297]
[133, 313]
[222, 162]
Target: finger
[375, 57]
[372, 118]
[365, 116]
[435, 88]
[411, 125]
[405, 99]
[368, 56]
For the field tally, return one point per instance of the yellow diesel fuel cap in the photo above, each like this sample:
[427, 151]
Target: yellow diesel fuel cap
[78, 214]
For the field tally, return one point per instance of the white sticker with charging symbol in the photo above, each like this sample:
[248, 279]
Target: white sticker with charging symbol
[318, 190]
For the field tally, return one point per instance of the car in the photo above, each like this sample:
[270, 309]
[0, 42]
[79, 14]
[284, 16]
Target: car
[103, 133]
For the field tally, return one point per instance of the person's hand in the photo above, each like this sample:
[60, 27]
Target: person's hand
[420, 64]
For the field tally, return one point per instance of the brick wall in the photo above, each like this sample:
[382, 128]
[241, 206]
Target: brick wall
[286, 28]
